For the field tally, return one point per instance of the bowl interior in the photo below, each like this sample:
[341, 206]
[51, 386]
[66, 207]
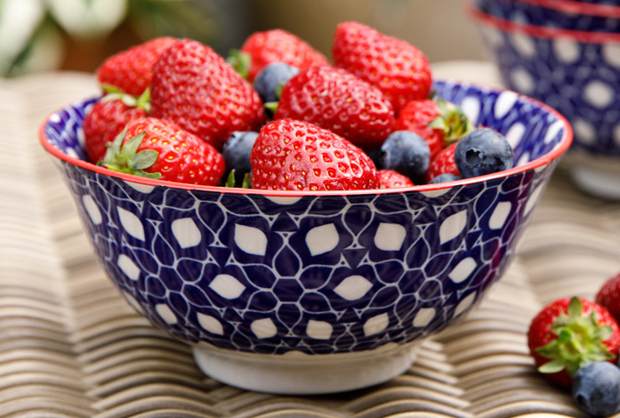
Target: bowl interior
[537, 133]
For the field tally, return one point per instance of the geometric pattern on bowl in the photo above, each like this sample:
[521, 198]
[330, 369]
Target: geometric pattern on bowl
[274, 272]
[533, 14]
[581, 80]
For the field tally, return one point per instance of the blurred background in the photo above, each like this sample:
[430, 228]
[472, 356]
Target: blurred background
[44, 35]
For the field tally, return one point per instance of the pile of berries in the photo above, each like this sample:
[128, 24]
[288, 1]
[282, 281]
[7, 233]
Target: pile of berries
[277, 115]
[575, 344]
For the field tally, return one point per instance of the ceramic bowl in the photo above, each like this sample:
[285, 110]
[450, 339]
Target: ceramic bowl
[602, 8]
[534, 14]
[299, 292]
[578, 74]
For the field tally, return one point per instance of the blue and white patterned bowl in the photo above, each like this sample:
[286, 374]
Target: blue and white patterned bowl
[601, 8]
[299, 292]
[575, 72]
[534, 14]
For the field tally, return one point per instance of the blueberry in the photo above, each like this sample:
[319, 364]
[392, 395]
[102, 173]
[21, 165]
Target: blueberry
[270, 77]
[596, 388]
[442, 178]
[406, 153]
[236, 153]
[483, 151]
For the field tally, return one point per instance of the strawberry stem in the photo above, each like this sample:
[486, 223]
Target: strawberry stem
[240, 61]
[124, 158]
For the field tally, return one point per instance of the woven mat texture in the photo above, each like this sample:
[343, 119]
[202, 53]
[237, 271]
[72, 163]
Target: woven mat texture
[70, 346]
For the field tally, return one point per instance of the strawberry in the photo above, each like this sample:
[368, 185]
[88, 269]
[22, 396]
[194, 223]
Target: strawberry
[570, 333]
[438, 122]
[160, 149]
[390, 179]
[131, 70]
[107, 118]
[443, 163]
[297, 155]
[334, 99]
[276, 45]
[195, 88]
[400, 70]
[609, 296]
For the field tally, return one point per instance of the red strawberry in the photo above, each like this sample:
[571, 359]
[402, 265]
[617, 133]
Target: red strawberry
[297, 155]
[569, 333]
[131, 70]
[609, 296]
[160, 149]
[195, 88]
[443, 163]
[334, 99]
[400, 70]
[390, 179]
[107, 118]
[277, 45]
[438, 122]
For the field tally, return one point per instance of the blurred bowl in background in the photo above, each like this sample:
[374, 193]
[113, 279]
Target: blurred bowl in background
[603, 8]
[302, 292]
[524, 12]
[575, 72]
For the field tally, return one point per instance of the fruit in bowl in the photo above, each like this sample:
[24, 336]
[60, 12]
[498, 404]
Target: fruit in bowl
[302, 290]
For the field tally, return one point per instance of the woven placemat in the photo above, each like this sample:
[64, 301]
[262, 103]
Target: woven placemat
[70, 346]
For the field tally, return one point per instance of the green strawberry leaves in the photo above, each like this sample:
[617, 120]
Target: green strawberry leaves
[452, 121]
[114, 93]
[580, 341]
[124, 158]
[240, 61]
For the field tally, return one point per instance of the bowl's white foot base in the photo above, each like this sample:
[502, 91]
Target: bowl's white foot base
[598, 183]
[297, 373]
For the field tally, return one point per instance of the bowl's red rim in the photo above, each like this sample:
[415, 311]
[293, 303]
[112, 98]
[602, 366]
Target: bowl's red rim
[577, 7]
[537, 31]
[546, 159]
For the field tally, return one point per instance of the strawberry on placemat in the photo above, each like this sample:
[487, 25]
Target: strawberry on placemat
[160, 149]
[570, 333]
[130, 71]
[397, 68]
[198, 90]
[334, 99]
[297, 155]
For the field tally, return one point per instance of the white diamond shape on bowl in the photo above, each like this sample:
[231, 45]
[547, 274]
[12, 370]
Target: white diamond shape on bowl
[524, 44]
[424, 317]
[500, 214]
[128, 267]
[462, 270]
[471, 108]
[227, 286]
[353, 287]
[598, 94]
[553, 130]
[617, 134]
[532, 200]
[505, 101]
[522, 80]
[390, 237]
[322, 239]
[264, 328]
[142, 188]
[465, 304]
[92, 209]
[186, 232]
[566, 51]
[210, 324]
[376, 324]
[250, 240]
[166, 314]
[452, 226]
[281, 200]
[611, 53]
[319, 330]
[131, 223]
[515, 134]
[584, 131]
